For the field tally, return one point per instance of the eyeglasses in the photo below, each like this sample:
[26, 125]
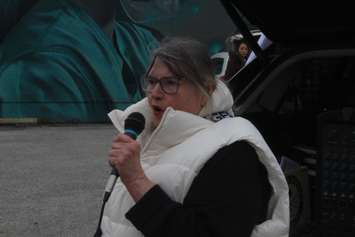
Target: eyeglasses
[169, 85]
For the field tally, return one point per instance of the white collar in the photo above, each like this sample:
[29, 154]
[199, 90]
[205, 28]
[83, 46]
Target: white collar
[175, 126]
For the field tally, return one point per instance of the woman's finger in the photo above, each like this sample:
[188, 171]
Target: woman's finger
[123, 138]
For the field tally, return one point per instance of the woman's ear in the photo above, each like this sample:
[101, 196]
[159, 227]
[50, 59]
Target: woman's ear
[211, 86]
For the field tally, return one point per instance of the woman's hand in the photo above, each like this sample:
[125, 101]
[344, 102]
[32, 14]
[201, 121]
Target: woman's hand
[125, 158]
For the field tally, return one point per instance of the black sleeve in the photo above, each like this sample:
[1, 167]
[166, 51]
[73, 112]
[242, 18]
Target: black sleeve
[227, 198]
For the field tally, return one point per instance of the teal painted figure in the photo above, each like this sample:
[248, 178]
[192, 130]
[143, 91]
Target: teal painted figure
[70, 61]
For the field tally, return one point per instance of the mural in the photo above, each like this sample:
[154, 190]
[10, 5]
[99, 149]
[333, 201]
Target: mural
[58, 64]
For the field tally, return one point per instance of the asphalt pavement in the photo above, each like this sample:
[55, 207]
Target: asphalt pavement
[52, 179]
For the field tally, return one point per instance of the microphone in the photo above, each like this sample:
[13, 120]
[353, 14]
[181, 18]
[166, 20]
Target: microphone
[133, 126]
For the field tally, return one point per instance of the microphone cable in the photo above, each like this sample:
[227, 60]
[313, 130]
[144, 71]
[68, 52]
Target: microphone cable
[134, 125]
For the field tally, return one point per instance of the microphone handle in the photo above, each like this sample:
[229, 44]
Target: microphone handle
[111, 181]
[114, 173]
[110, 184]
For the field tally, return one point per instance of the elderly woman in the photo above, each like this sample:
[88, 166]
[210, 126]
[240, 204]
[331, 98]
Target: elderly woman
[195, 170]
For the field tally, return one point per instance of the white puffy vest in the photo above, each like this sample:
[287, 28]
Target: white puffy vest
[174, 153]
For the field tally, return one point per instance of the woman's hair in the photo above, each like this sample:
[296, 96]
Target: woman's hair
[186, 58]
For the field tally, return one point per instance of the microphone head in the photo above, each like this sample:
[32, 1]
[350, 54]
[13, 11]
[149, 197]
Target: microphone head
[136, 122]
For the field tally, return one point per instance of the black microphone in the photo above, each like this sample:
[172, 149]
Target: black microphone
[133, 126]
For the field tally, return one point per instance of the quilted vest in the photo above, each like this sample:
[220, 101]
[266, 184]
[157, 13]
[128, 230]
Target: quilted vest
[174, 153]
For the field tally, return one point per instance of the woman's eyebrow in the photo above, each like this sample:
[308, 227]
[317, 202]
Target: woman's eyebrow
[165, 77]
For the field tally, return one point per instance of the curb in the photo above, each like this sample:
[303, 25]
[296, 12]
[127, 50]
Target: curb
[15, 121]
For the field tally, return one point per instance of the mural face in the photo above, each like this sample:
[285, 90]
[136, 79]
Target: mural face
[154, 10]
[59, 64]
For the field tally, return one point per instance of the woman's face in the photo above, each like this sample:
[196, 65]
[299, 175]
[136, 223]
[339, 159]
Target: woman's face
[187, 98]
[243, 50]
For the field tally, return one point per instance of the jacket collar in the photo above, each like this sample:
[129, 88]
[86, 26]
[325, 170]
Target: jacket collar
[175, 126]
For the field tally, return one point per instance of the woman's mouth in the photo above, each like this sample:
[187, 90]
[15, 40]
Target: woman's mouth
[157, 111]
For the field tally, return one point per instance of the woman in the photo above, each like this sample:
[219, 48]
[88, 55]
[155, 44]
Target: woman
[237, 58]
[243, 51]
[194, 170]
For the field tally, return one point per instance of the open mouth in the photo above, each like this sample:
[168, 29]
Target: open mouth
[157, 110]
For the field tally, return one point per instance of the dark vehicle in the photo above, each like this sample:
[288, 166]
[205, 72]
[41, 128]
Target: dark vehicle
[300, 93]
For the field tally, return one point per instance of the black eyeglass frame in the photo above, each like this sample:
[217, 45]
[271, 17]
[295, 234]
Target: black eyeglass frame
[163, 84]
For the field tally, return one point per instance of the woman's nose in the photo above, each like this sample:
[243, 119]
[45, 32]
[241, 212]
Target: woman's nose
[156, 91]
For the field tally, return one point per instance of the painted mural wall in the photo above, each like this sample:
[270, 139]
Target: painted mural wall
[58, 65]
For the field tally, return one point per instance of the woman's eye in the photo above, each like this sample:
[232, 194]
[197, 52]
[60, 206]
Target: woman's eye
[171, 82]
[151, 81]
